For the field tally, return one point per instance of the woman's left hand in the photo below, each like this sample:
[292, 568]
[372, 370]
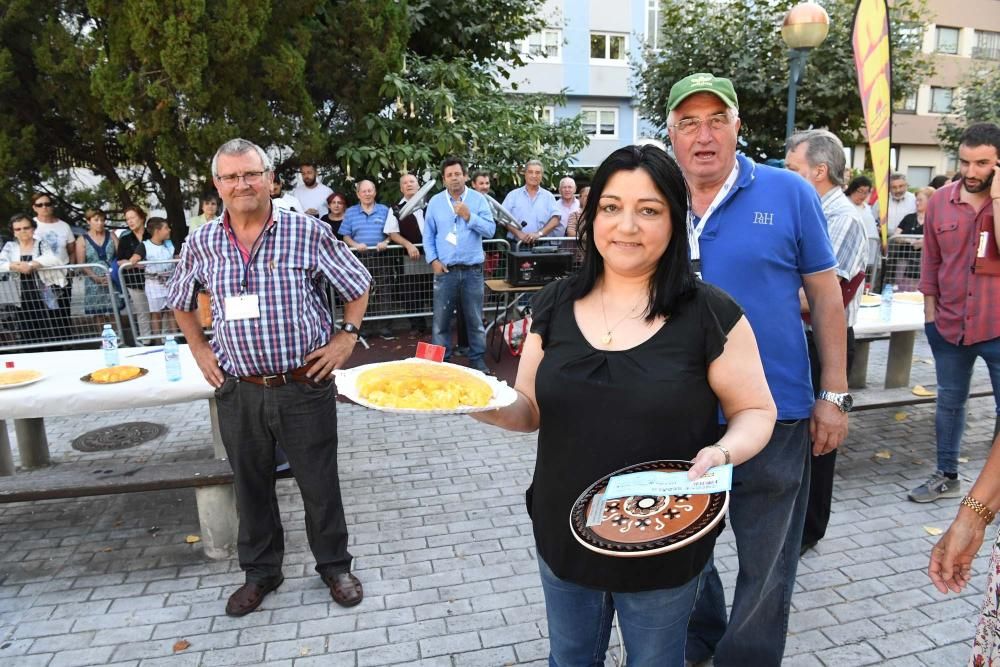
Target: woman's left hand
[951, 558]
[708, 457]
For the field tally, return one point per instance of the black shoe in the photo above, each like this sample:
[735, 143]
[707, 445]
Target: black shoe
[249, 596]
[806, 547]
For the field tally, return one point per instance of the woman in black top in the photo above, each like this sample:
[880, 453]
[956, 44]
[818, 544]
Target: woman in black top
[627, 362]
[338, 204]
[133, 279]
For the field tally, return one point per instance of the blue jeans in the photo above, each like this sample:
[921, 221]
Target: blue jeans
[653, 623]
[465, 286]
[953, 366]
[766, 512]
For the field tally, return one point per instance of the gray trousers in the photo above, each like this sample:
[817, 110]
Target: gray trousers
[303, 418]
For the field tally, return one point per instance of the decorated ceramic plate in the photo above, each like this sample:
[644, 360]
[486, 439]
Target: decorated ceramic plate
[418, 386]
[19, 378]
[637, 526]
[114, 374]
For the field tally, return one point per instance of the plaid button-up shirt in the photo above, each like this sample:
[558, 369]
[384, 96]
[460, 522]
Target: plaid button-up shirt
[289, 270]
[968, 304]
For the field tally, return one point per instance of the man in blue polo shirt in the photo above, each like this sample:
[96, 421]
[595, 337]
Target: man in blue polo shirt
[759, 233]
[455, 223]
[533, 206]
[364, 222]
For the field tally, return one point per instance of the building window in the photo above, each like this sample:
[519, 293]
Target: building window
[653, 23]
[941, 100]
[918, 177]
[951, 163]
[908, 104]
[987, 45]
[544, 45]
[608, 46]
[947, 40]
[547, 115]
[600, 122]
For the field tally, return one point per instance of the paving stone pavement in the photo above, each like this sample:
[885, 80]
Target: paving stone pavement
[444, 548]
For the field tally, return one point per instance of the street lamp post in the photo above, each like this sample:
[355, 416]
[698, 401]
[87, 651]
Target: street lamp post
[806, 26]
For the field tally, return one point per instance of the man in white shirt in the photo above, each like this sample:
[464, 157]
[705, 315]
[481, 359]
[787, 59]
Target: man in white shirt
[52, 231]
[311, 193]
[282, 199]
[902, 202]
[568, 204]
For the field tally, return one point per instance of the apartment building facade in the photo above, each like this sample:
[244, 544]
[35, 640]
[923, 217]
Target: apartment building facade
[589, 49]
[961, 36]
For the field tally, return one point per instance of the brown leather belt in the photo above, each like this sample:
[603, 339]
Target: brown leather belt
[281, 379]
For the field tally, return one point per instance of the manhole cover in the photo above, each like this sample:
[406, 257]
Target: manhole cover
[121, 436]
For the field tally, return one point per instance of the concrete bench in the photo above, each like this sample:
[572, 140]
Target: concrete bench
[874, 399]
[212, 480]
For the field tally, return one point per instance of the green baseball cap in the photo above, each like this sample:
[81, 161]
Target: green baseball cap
[703, 82]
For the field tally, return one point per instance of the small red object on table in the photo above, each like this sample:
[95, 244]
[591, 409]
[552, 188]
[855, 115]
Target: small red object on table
[430, 352]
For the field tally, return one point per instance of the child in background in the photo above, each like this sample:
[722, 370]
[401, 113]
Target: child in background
[157, 249]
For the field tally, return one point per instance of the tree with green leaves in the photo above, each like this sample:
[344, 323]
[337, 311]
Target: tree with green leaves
[979, 103]
[741, 40]
[141, 92]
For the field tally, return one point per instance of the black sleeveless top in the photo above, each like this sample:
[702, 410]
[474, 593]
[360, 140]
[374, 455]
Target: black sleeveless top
[603, 410]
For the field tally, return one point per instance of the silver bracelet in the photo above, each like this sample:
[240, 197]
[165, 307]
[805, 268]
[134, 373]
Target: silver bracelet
[724, 451]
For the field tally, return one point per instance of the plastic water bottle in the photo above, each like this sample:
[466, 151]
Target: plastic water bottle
[172, 355]
[109, 344]
[885, 308]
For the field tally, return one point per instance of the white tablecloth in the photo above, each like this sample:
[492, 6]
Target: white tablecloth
[61, 392]
[905, 317]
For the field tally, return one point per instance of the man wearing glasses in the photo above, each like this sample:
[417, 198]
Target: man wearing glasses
[52, 231]
[270, 361]
[759, 233]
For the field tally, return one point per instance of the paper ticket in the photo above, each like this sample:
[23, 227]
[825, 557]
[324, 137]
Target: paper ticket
[654, 483]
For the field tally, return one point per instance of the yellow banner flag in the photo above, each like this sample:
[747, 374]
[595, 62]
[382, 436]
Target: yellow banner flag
[874, 64]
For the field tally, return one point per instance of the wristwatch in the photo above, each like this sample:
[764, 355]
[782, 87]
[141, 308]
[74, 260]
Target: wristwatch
[347, 327]
[843, 401]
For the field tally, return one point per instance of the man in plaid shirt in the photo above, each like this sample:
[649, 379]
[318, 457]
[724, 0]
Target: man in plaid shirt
[818, 156]
[961, 297]
[270, 360]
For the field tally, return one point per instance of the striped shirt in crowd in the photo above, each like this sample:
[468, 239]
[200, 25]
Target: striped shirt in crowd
[288, 269]
[849, 241]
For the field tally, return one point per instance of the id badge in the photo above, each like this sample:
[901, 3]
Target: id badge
[451, 238]
[242, 307]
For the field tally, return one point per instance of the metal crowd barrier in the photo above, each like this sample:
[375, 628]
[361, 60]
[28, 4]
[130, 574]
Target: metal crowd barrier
[901, 266]
[147, 326]
[68, 305]
[402, 288]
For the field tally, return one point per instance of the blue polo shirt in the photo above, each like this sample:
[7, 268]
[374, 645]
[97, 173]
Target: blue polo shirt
[766, 234]
[365, 227]
[536, 211]
[440, 220]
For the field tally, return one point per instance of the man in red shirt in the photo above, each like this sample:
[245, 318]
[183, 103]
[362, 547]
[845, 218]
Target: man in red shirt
[960, 279]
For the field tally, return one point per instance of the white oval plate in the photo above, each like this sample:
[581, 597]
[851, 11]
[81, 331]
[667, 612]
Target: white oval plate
[503, 395]
[24, 383]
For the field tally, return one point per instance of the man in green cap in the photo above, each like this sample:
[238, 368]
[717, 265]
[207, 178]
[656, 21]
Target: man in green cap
[759, 233]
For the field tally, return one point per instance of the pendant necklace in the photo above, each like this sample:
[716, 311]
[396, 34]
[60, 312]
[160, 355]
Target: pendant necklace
[608, 336]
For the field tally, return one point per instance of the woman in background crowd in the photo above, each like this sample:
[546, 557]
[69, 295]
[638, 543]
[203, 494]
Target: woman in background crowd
[97, 246]
[133, 279]
[36, 291]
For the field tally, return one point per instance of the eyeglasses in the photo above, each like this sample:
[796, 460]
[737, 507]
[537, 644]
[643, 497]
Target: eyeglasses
[43, 204]
[250, 178]
[692, 125]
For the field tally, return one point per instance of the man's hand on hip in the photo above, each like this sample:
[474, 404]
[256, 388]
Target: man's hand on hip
[331, 356]
[827, 427]
[208, 364]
